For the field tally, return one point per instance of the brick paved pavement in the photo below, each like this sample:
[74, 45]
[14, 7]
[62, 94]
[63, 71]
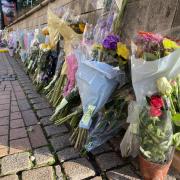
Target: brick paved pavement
[32, 148]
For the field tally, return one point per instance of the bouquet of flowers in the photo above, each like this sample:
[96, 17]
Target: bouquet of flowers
[171, 90]
[153, 56]
[111, 51]
[151, 46]
[156, 137]
[155, 130]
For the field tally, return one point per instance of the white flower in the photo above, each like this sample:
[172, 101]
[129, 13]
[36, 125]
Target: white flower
[164, 86]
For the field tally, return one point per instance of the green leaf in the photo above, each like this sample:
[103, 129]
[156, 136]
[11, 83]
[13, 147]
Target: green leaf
[176, 119]
[150, 56]
[176, 140]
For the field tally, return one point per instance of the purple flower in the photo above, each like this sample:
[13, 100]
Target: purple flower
[110, 42]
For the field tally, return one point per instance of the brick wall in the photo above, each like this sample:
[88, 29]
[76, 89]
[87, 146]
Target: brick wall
[161, 16]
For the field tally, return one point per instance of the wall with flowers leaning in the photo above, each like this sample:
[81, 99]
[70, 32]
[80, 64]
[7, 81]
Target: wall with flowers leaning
[161, 16]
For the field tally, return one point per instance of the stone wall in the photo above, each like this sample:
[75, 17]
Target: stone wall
[161, 16]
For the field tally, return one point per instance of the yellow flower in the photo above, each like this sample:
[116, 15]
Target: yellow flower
[45, 31]
[164, 86]
[97, 46]
[44, 47]
[122, 50]
[3, 50]
[169, 44]
[81, 27]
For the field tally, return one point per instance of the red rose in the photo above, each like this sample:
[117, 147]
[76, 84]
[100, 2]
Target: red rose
[155, 112]
[156, 101]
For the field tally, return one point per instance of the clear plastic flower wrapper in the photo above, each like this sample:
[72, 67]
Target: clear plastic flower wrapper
[71, 32]
[155, 130]
[171, 89]
[108, 122]
[96, 81]
[152, 57]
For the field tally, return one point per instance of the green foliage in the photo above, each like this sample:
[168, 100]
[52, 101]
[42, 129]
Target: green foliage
[155, 137]
[176, 140]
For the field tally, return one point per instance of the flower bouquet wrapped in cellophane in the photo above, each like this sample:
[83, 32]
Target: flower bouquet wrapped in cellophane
[155, 130]
[109, 121]
[48, 90]
[146, 68]
[95, 97]
[171, 90]
[46, 68]
[71, 30]
[153, 56]
[34, 54]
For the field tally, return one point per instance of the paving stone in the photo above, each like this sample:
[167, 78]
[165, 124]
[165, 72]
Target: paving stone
[11, 177]
[109, 160]
[4, 113]
[44, 173]
[5, 97]
[29, 91]
[37, 100]
[135, 164]
[15, 83]
[3, 141]
[29, 117]
[15, 163]
[2, 93]
[67, 154]
[23, 105]
[33, 95]
[13, 98]
[176, 160]
[46, 121]
[5, 101]
[4, 130]
[19, 145]
[19, 92]
[53, 130]
[115, 141]
[123, 173]
[20, 96]
[18, 133]
[4, 107]
[17, 123]
[3, 151]
[173, 174]
[60, 142]
[24, 82]
[44, 112]
[14, 103]
[78, 169]
[16, 115]
[101, 149]
[39, 106]
[26, 87]
[43, 156]
[37, 137]
[18, 89]
[4, 121]
[59, 174]
[14, 109]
